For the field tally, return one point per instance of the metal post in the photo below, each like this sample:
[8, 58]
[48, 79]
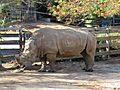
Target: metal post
[20, 39]
[0, 63]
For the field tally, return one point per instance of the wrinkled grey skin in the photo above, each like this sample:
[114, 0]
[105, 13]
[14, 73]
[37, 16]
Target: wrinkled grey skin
[47, 44]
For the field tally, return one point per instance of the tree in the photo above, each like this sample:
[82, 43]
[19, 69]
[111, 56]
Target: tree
[71, 11]
[5, 6]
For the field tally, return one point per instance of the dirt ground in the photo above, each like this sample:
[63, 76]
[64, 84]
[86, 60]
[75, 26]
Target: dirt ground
[69, 76]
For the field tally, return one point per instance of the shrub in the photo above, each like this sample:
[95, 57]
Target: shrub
[71, 11]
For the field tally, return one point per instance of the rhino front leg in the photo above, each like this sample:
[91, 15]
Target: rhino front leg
[21, 69]
[43, 63]
[51, 58]
[43, 66]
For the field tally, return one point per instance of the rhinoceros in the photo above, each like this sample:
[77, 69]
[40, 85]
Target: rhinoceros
[47, 44]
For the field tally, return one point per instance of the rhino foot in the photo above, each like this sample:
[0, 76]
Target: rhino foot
[41, 70]
[18, 71]
[51, 71]
[88, 70]
[83, 68]
[46, 70]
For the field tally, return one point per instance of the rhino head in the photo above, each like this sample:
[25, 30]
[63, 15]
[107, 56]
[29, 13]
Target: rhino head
[23, 60]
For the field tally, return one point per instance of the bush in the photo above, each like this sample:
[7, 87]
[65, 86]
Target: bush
[71, 11]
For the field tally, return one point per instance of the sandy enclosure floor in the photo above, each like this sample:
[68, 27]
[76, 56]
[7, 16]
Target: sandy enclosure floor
[106, 76]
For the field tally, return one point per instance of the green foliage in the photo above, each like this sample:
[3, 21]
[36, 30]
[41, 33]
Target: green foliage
[106, 8]
[72, 11]
[3, 13]
[111, 41]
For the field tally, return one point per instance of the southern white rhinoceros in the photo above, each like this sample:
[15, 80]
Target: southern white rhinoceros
[47, 44]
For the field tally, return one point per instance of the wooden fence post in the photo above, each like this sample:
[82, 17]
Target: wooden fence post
[108, 42]
[20, 39]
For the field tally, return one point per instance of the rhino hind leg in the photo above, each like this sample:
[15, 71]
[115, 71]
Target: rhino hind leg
[89, 61]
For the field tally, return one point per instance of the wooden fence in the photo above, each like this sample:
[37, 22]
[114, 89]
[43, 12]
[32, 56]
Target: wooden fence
[11, 41]
[108, 41]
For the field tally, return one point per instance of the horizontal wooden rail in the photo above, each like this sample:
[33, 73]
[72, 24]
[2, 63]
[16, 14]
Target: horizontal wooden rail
[11, 41]
[12, 28]
[108, 41]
